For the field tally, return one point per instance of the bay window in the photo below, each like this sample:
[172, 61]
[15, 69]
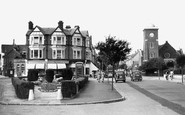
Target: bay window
[36, 53]
[58, 53]
[76, 54]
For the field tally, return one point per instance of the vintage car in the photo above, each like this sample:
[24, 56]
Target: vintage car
[120, 76]
[136, 75]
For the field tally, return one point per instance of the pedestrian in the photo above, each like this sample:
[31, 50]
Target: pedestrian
[102, 75]
[167, 74]
[98, 75]
[171, 75]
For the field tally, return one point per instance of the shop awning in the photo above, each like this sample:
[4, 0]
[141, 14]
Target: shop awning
[40, 66]
[61, 66]
[30, 66]
[52, 66]
[73, 65]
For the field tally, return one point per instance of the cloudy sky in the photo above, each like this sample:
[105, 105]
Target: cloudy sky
[124, 19]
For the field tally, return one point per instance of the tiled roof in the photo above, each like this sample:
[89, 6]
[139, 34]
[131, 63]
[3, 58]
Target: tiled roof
[49, 31]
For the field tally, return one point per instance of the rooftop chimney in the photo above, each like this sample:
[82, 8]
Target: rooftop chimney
[30, 25]
[68, 27]
[77, 26]
[60, 25]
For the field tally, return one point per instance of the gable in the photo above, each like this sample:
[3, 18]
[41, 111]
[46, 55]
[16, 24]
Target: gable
[36, 31]
[58, 30]
[77, 31]
[167, 51]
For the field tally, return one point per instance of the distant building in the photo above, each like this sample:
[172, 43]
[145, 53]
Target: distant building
[52, 48]
[134, 60]
[10, 54]
[152, 49]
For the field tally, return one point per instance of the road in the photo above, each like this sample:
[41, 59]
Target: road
[149, 97]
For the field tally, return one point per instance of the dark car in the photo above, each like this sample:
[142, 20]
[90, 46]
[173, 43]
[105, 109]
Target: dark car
[136, 76]
[120, 76]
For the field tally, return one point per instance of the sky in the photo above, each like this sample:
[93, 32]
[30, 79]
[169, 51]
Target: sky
[124, 19]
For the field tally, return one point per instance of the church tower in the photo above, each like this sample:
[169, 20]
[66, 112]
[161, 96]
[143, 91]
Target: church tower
[150, 48]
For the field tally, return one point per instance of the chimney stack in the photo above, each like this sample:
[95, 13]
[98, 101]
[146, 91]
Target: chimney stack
[30, 25]
[60, 24]
[68, 27]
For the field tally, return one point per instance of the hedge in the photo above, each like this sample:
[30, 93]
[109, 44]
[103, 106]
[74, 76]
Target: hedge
[67, 74]
[69, 88]
[33, 75]
[22, 87]
[49, 75]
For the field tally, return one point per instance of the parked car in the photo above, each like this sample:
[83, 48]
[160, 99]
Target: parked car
[136, 76]
[120, 76]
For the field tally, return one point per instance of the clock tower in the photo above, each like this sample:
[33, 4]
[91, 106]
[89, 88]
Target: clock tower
[150, 48]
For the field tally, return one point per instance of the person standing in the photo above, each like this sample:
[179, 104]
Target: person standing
[102, 75]
[98, 75]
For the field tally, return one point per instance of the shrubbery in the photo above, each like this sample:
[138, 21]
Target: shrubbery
[69, 87]
[67, 74]
[48, 87]
[22, 87]
[49, 75]
[33, 75]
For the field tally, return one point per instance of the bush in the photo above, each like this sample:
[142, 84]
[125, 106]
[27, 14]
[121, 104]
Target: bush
[67, 74]
[22, 87]
[81, 81]
[48, 87]
[49, 75]
[33, 75]
[68, 88]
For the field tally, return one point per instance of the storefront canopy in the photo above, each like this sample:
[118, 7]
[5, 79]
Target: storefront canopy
[40, 66]
[56, 66]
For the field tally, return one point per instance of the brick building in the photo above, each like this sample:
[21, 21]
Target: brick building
[54, 48]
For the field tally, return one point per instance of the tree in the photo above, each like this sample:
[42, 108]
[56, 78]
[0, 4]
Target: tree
[114, 51]
[153, 65]
[180, 60]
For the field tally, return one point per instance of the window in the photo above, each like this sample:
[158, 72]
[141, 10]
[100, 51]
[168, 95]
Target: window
[58, 53]
[77, 40]
[152, 55]
[58, 40]
[87, 71]
[151, 44]
[18, 67]
[87, 43]
[36, 54]
[88, 55]
[76, 54]
[36, 40]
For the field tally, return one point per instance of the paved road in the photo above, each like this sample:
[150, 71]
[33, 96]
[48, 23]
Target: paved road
[136, 103]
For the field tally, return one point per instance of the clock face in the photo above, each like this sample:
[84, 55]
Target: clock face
[151, 34]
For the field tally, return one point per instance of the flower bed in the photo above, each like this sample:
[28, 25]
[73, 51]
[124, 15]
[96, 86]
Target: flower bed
[48, 87]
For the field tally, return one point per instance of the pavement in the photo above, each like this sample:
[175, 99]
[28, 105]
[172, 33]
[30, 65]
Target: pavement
[93, 93]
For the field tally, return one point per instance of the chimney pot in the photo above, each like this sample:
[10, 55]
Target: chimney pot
[68, 27]
[30, 25]
[60, 24]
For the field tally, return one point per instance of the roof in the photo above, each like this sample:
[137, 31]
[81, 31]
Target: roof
[49, 31]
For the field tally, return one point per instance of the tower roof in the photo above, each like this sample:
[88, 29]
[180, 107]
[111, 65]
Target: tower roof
[151, 26]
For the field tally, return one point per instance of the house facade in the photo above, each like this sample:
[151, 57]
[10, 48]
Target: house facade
[57, 48]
